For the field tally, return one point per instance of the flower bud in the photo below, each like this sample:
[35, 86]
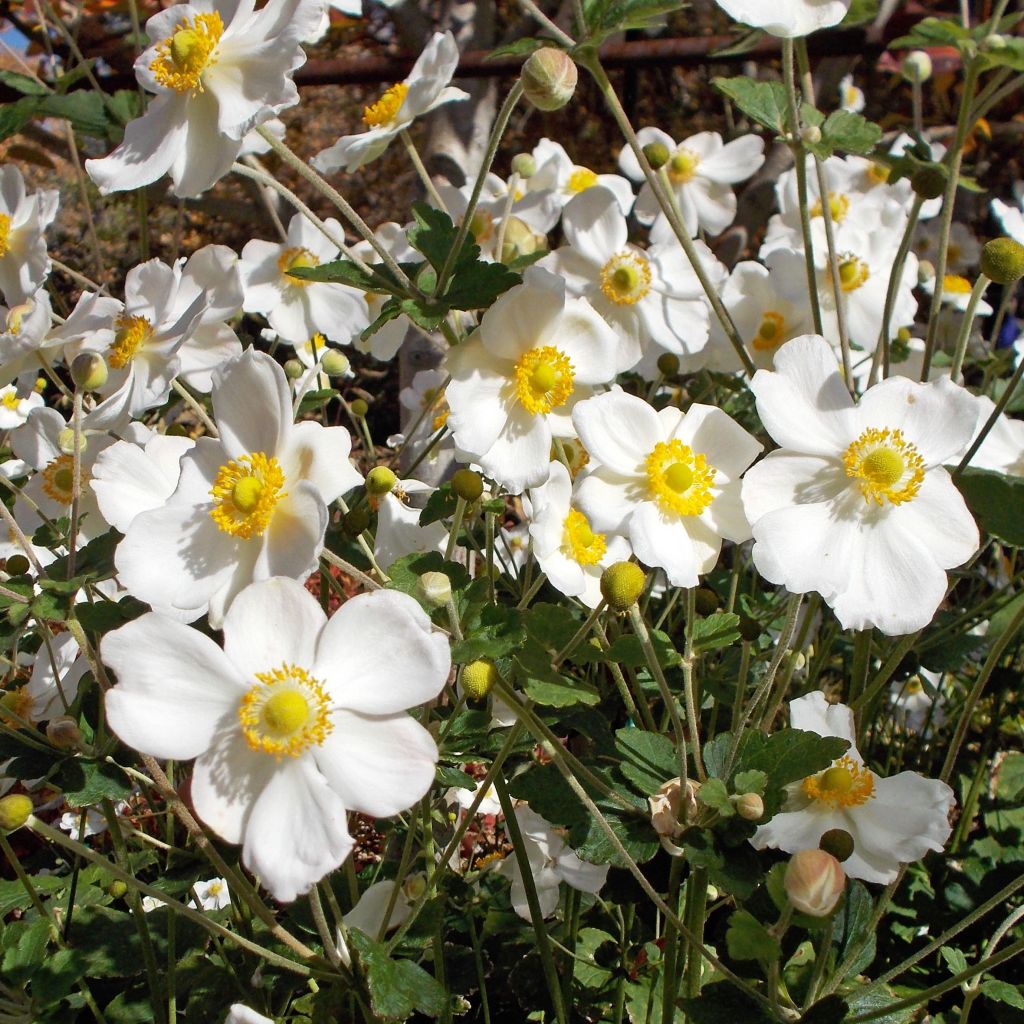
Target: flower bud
[549, 78]
[14, 811]
[668, 364]
[749, 806]
[524, 165]
[479, 677]
[750, 629]
[17, 565]
[63, 733]
[1002, 261]
[520, 240]
[657, 155]
[916, 66]
[66, 441]
[335, 363]
[89, 371]
[435, 588]
[995, 41]
[467, 484]
[673, 807]
[380, 481]
[814, 881]
[117, 889]
[706, 601]
[354, 522]
[293, 369]
[838, 842]
[622, 584]
[929, 182]
[811, 134]
[359, 407]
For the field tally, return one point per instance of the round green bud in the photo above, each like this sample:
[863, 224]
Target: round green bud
[549, 78]
[668, 364]
[838, 842]
[89, 371]
[17, 565]
[63, 733]
[916, 66]
[117, 889]
[358, 407]
[1002, 261]
[435, 588]
[524, 165]
[467, 484]
[706, 601]
[622, 584]
[929, 182]
[749, 806]
[750, 629]
[811, 134]
[293, 369]
[66, 441]
[380, 481]
[353, 523]
[14, 811]
[479, 677]
[657, 155]
[335, 363]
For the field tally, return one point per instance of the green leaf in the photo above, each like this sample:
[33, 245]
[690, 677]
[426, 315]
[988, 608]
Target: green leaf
[764, 102]
[723, 1003]
[86, 782]
[604, 17]
[380, 278]
[14, 897]
[14, 116]
[433, 234]
[588, 972]
[478, 284]
[712, 632]
[398, 988]
[955, 959]
[932, 32]
[520, 48]
[1003, 992]
[649, 759]
[850, 132]
[852, 926]
[996, 501]
[440, 505]
[713, 794]
[24, 84]
[405, 573]
[498, 632]
[627, 651]
[752, 781]
[76, 74]
[450, 777]
[23, 959]
[83, 108]
[313, 401]
[57, 975]
[546, 685]
[860, 13]
[748, 939]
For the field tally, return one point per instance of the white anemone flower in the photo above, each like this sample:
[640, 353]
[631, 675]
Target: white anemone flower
[551, 863]
[218, 68]
[426, 88]
[15, 408]
[1011, 218]
[856, 505]
[25, 337]
[571, 553]
[851, 97]
[385, 342]
[917, 702]
[1002, 451]
[296, 309]
[242, 1014]
[213, 894]
[24, 218]
[515, 380]
[956, 294]
[701, 171]
[669, 482]
[787, 18]
[295, 722]
[249, 505]
[892, 821]
[557, 176]
[54, 682]
[651, 297]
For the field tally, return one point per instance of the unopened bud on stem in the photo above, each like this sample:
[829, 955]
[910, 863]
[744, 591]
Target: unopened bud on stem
[89, 371]
[1002, 261]
[814, 881]
[549, 78]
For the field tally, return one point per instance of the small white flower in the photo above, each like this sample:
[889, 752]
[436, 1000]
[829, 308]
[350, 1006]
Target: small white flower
[1011, 218]
[956, 293]
[426, 87]
[24, 218]
[917, 702]
[15, 408]
[892, 821]
[241, 1014]
[25, 337]
[398, 525]
[295, 722]
[213, 894]
[558, 177]
[856, 504]
[851, 97]
[787, 18]
[54, 682]
[551, 863]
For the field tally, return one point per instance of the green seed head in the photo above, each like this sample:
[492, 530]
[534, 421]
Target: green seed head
[467, 484]
[622, 584]
[838, 842]
[657, 155]
[479, 677]
[14, 811]
[380, 481]
[1002, 261]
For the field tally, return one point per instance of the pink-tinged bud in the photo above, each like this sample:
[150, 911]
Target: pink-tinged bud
[814, 882]
[673, 807]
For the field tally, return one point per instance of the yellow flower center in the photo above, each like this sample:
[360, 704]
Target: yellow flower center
[296, 258]
[580, 542]
[626, 278]
[772, 332]
[131, 333]
[15, 316]
[580, 180]
[838, 207]
[183, 57]
[544, 379]
[679, 478]
[574, 453]
[11, 400]
[682, 166]
[953, 284]
[5, 235]
[285, 712]
[247, 491]
[845, 784]
[914, 685]
[59, 479]
[853, 272]
[18, 702]
[481, 225]
[886, 465]
[878, 173]
[386, 109]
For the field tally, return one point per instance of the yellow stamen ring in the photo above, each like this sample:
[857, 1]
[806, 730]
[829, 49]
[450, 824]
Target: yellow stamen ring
[386, 109]
[679, 478]
[845, 784]
[183, 56]
[580, 180]
[682, 166]
[131, 334]
[887, 466]
[626, 278]
[294, 259]
[838, 207]
[544, 379]
[853, 272]
[580, 542]
[772, 332]
[59, 479]
[247, 491]
[285, 712]
[5, 235]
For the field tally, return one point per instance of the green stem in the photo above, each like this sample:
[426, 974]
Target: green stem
[965, 327]
[696, 913]
[669, 974]
[413, 153]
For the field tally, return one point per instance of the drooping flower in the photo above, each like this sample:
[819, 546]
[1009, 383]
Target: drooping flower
[516, 379]
[24, 218]
[295, 722]
[249, 505]
[856, 504]
[218, 69]
[892, 821]
[787, 18]
[426, 87]
[669, 482]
